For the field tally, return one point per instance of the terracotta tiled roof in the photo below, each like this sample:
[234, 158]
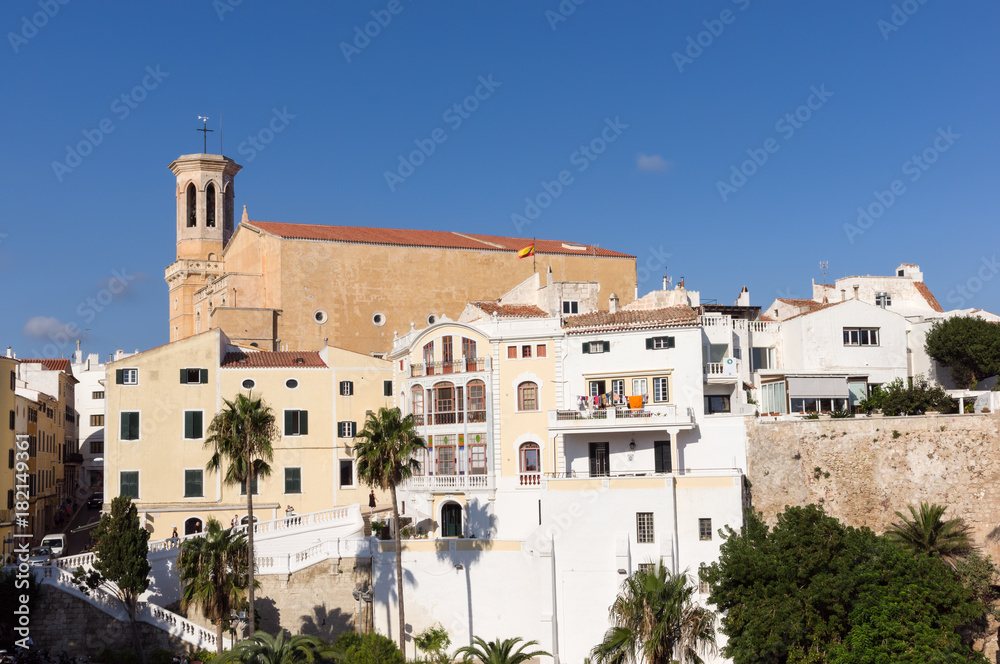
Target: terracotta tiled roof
[510, 310]
[799, 303]
[273, 359]
[928, 295]
[51, 365]
[627, 319]
[415, 238]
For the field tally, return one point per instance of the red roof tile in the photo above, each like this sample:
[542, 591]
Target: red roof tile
[799, 303]
[926, 292]
[272, 359]
[416, 238]
[627, 319]
[52, 365]
[510, 310]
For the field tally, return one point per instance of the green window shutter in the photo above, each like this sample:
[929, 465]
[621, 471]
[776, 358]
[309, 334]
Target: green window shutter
[133, 428]
[607, 346]
[124, 428]
[586, 347]
[197, 424]
[184, 376]
[288, 423]
[204, 376]
[670, 342]
[188, 424]
[119, 376]
[387, 388]
[303, 422]
[649, 343]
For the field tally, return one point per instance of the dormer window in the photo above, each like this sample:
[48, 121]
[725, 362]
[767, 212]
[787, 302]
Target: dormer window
[571, 307]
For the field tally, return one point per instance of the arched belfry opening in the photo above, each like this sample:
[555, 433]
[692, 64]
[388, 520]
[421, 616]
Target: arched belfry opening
[227, 215]
[192, 206]
[210, 204]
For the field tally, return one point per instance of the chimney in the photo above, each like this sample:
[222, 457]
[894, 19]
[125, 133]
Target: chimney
[856, 287]
[681, 285]
[744, 298]
[666, 280]
[78, 356]
[843, 294]
[8, 352]
[613, 303]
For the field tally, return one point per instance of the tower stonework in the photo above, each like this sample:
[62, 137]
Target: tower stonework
[205, 201]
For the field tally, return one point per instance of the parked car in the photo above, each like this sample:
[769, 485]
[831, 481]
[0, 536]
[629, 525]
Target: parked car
[56, 542]
[40, 555]
[95, 501]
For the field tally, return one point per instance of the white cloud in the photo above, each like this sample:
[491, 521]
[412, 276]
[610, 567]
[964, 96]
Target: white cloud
[651, 163]
[45, 327]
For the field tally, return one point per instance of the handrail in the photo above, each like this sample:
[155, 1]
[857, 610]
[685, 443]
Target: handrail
[644, 472]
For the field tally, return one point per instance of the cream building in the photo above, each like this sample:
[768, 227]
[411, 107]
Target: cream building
[281, 286]
[161, 402]
[8, 438]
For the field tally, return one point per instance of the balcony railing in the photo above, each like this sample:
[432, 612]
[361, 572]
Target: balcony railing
[529, 479]
[451, 417]
[607, 418]
[632, 472]
[455, 366]
[728, 368]
[446, 483]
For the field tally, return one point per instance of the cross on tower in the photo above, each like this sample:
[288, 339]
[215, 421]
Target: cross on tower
[204, 132]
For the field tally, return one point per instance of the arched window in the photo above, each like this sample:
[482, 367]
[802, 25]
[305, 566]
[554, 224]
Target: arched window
[417, 400]
[527, 396]
[530, 461]
[210, 205]
[451, 520]
[192, 206]
[227, 214]
[476, 409]
[192, 525]
[443, 403]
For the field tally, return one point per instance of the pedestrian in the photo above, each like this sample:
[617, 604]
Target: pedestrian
[197, 526]
[371, 502]
[174, 538]
[236, 520]
[289, 512]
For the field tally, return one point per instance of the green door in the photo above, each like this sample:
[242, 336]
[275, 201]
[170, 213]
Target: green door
[451, 520]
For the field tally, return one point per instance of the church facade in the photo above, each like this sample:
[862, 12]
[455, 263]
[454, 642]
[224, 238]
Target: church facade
[297, 287]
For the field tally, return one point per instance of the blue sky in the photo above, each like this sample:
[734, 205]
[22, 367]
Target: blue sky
[695, 89]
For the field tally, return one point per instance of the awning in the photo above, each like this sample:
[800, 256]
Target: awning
[817, 386]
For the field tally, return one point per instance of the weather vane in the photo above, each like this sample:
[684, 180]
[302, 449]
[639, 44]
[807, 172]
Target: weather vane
[204, 132]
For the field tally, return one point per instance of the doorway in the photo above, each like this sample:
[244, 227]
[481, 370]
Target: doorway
[451, 520]
[599, 460]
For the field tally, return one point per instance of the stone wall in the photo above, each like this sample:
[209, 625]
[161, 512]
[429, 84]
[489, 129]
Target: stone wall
[863, 470]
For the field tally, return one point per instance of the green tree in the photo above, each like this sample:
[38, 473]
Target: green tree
[262, 648]
[968, 346]
[654, 621]
[508, 651]
[930, 535]
[435, 642]
[12, 590]
[813, 590]
[914, 397]
[121, 566]
[214, 574]
[384, 451]
[241, 436]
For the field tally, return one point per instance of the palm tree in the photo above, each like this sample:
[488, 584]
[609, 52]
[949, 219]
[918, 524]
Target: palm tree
[501, 652]
[262, 648]
[654, 621]
[927, 534]
[385, 459]
[213, 572]
[240, 435]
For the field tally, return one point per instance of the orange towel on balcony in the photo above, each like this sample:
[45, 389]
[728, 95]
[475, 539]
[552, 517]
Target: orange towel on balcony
[635, 402]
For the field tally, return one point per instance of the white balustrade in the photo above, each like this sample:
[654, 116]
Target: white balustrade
[449, 483]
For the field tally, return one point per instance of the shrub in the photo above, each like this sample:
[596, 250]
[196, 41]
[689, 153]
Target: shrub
[915, 397]
[371, 648]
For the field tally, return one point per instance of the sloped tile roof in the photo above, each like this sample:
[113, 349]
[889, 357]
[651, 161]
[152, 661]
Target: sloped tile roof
[273, 359]
[51, 365]
[928, 295]
[416, 238]
[627, 319]
[799, 303]
[818, 307]
[510, 310]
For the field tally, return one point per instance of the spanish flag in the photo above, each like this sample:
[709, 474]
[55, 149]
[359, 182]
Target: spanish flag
[527, 251]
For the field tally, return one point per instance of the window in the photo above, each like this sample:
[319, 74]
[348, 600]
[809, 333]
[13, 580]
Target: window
[194, 483]
[477, 401]
[571, 307]
[883, 300]
[639, 387]
[320, 316]
[291, 383]
[644, 533]
[861, 336]
[704, 588]
[761, 358]
[193, 424]
[194, 376]
[248, 384]
[445, 459]
[541, 350]
[128, 484]
[716, 403]
[511, 352]
[661, 390]
[129, 426]
[661, 456]
[346, 429]
[346, 388]
[447, 350]
[468, 348]
[378, 319]
[659, 343]
[526, 350]
[255, 485]
[13, 420]
[618, 387]
[97, 395]
[527, 396]
[293, 480]
[13, 381]
[704, 529]
[647, 568]
[597, 387]
[296, 422]
[387, 388]
[192, 206]
[210, 205]
[477, 459]
[97, 447]
[594, 347]
[346, 473]
[530, 458]
[127, 376]
[418, 400]
[429, 353]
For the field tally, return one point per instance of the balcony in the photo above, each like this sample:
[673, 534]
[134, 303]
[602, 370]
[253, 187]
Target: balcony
[449, 483]
[652, 418]
[451, 417]
[469, 365]
[726, 371]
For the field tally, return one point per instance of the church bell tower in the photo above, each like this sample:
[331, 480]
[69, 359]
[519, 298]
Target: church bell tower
[205, 200]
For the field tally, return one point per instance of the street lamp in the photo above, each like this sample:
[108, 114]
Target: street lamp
[236, 620]
[360, 595]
